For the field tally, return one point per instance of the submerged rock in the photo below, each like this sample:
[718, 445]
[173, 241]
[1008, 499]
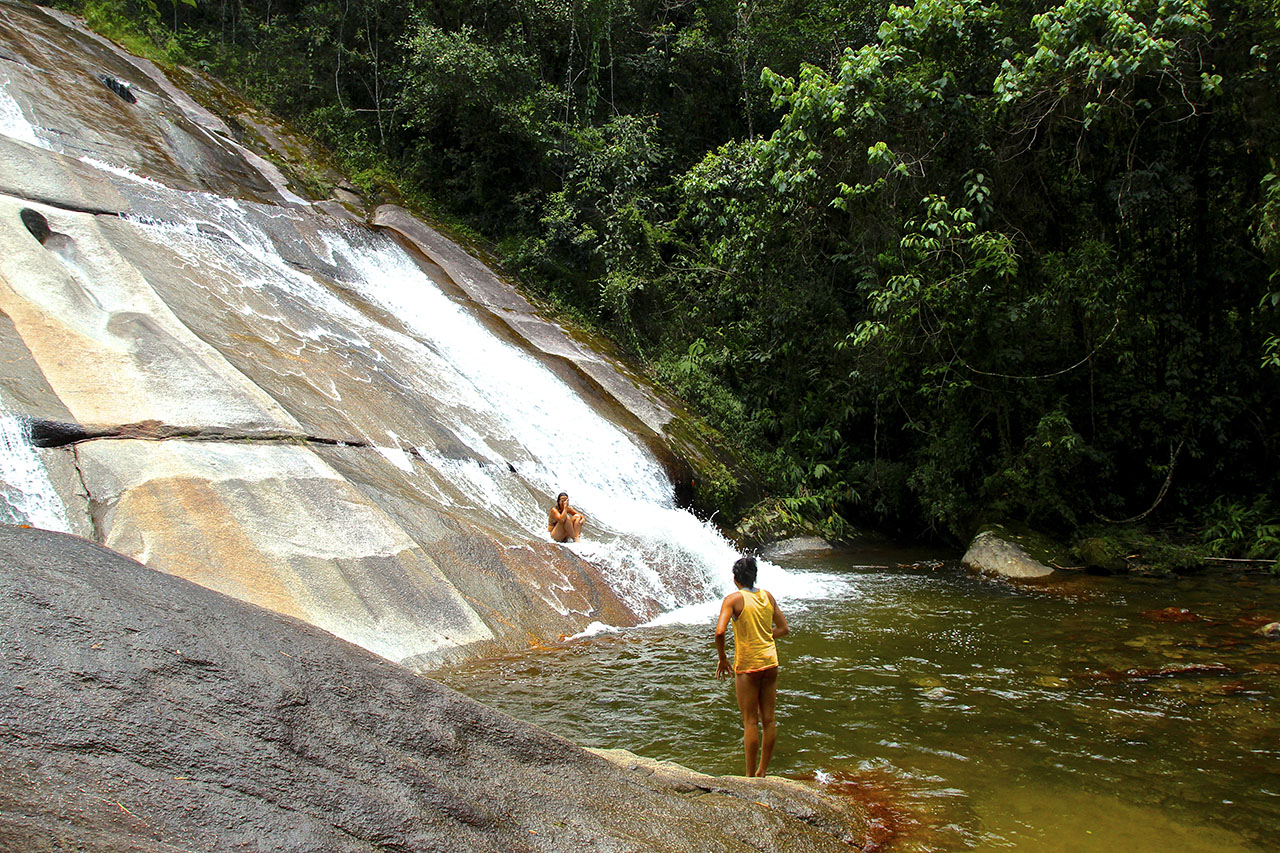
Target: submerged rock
[728, 796]
[142, 712]
[1171, 614]
[992, 553]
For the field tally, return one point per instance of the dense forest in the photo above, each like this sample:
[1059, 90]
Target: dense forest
[924, 266]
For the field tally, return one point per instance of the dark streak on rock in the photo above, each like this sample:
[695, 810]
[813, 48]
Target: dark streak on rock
[120, 87]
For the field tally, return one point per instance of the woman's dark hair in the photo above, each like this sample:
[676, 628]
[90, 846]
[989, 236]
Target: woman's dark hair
[561, 495]
[744, 571]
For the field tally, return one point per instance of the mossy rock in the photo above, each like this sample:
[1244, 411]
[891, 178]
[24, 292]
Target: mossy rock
[766, 522]
[1164, 558]
[1138, 551]
[1102, 553]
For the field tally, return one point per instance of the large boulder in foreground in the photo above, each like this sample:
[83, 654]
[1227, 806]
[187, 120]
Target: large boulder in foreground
[995, 551]
[142, 712]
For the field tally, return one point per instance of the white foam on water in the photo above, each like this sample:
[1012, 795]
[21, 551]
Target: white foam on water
[658, 557]
[394, 454]
[24, 482]
[793, 589]
[524, 400]
[595, 629]
[251, 261]
[121, 171]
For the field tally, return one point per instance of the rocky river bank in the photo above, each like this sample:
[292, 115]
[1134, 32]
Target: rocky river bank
[141, 712]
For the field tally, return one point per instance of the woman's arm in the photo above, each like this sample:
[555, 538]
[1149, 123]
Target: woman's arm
[780, 627]
[722, 625]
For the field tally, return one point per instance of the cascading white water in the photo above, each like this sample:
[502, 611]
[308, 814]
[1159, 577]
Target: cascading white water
[652, 548]
[27, 494]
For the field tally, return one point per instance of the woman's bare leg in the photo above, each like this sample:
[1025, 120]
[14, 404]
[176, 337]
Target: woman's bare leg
[575, 526]
[745, 685]
[767, 701]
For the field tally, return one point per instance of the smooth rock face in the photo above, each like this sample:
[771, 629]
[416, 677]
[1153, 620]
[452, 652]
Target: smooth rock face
[57, 71]
[141, 712]
[317, 548]
[25, 388]
[989, 553]
[109, 346]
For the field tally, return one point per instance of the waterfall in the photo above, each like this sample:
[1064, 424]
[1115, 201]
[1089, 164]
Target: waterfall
[26, 493]
[502, 404]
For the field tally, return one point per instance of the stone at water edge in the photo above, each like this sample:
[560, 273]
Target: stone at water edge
[989, 552]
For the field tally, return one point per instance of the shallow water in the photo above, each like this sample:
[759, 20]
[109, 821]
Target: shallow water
[1090, 714]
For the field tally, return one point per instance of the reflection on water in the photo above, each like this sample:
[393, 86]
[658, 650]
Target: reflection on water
[1091, 714]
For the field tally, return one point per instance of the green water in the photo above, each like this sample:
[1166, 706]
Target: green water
[973, 714]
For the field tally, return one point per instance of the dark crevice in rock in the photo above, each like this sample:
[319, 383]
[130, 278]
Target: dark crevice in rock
[36, 224]
[56, 242]
[335, 442]
[236, 128]
[122, 88]
[47, 433]
[91, 504]
[61, 204]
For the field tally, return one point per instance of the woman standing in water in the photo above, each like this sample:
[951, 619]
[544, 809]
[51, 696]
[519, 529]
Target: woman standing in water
[563, 521]
[757, 623]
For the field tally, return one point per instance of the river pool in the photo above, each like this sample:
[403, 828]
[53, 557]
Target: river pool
[1085, 714]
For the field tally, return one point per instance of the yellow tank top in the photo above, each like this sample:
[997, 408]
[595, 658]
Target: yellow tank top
[753, 645]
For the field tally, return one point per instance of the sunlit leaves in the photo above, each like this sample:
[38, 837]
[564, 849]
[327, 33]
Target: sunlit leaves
[1094, 53]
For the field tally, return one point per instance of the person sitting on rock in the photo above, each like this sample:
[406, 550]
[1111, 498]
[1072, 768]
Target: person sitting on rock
[563, 521]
